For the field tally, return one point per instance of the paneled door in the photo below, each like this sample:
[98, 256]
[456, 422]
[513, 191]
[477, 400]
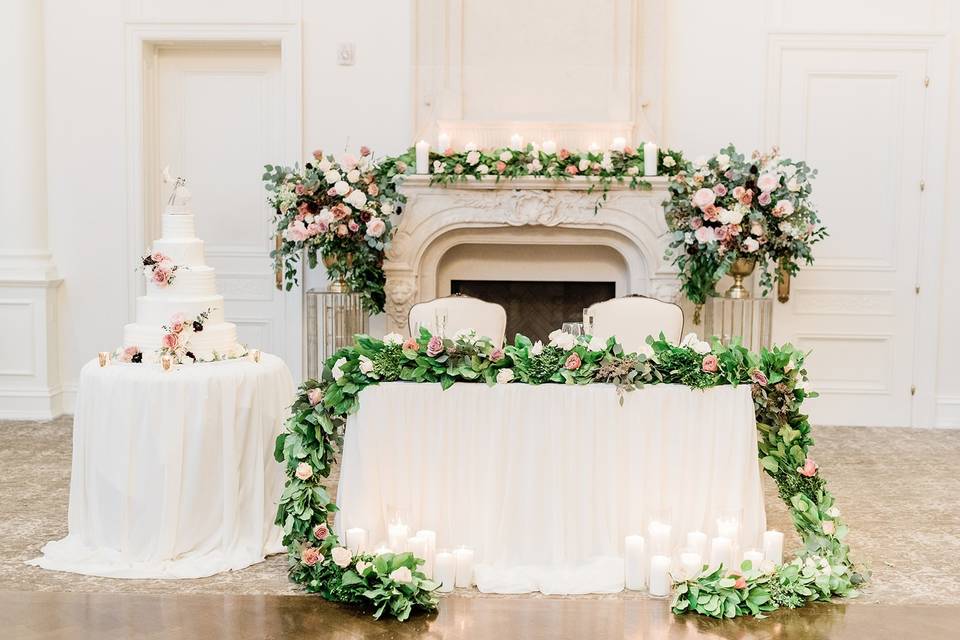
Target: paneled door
[855, 113]
[217, 119]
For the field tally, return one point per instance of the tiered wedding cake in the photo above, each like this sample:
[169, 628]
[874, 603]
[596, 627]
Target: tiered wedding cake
[189, 292]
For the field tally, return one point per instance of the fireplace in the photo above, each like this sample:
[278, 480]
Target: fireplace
[535, 308]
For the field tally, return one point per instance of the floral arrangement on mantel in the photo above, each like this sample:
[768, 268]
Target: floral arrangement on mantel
[728, 207]
[393, 584]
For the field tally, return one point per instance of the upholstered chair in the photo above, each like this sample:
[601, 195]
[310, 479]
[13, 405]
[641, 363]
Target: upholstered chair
[462, 312]
[632, 318]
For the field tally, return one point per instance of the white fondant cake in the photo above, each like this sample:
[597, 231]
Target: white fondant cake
[192, 291]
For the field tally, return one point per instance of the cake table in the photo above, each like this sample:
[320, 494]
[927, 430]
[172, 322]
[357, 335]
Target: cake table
[173, 471]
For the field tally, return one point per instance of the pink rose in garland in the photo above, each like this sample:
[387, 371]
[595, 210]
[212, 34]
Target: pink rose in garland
[304, 471]
[411, 345]
[573, 362]
[314, 396]
[435, 346]
[311, 556]
[704, 198]
[496, 355]
[376, 227]
[710, 363]
[320, 532]
[809, 468]
[741, 583]
[757, 376]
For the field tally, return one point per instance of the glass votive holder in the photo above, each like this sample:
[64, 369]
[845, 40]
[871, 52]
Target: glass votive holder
[103, 357]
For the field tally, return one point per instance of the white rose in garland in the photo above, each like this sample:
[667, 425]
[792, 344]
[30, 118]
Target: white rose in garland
[402, 575]
[366, 365]
[565, 341]
[341, 557]
[393, 339]
[597, 344]
[504, 376]
[337, 372]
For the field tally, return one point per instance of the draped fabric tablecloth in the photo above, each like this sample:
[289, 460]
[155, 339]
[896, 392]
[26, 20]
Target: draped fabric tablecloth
[173, 472]
[544, 482]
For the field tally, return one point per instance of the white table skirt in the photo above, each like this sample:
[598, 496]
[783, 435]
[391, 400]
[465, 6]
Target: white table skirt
[173, 472]
[544, 482]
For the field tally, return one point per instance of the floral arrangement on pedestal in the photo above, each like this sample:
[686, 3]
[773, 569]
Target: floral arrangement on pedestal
[728, 207]
[393, 584]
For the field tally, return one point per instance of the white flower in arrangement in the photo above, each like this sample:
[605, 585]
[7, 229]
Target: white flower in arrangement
[353, 175]
[751, 245]
[702, 347]
[732, 216]
[699, 162]
[365, 163]
[402, 575]
[788, 228]
[465, 335]
[584, 164]
[473, 157]
[535, 166]
[341, 188]
[668, 161]
[506, 156]
[756, 229]
[393, 339]
[597, 344]
[483, 169]
[437, 166]
[324, 165]
[387, 208]
[788, 170]
[362, 566]
[366, 365]
[332, 176]
[341, 557]
[324, 216]
[632, 171]
[833, 512]
[337, 371]
[793, 185]
[565, 341]
[357, 199]
[723, 161]
[537, 348]
[504, 376]
[606, 163]
[688, 237]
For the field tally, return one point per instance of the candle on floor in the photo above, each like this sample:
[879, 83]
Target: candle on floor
[356, 540]
[773, 546]
[697, 541]
[618, 144]
[650, 156]
[397, 534]
[692, 564]
[445, 570]
[721, 552]
[431, 538]
[418, 547]
[633, 562]
[516, 142]
[659, 537]
[549, 147]
[464, 558]
[756, 559]
[728, 528]
[443, 142]
[659, 576]
[423, 157]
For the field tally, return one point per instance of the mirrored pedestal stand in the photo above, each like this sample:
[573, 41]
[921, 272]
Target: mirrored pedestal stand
[750, 319]
[333, 317]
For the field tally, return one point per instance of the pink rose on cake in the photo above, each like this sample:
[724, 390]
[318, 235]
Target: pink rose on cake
[160, 277]
[177, 323]
[170, 341]
[127, 354]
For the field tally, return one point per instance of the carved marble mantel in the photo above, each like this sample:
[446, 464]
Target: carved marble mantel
[437, 218]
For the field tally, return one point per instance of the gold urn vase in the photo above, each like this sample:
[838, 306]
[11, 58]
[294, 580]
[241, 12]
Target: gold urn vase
[340, 284]
[740, 269]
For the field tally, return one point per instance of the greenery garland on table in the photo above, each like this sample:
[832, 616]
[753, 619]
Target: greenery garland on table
[393, 584]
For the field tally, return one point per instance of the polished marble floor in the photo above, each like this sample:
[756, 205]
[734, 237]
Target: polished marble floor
[897, 488]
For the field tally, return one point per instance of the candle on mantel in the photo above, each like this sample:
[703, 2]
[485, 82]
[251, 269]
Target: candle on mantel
[633, 562]
[756, 559]
[431, 538]
[692, 563]
[397, 534]
[516, 142]
[721, 552]
[423, 157]
[618, 144]
[549, 147]
[445, 570]
[443, 142]
[697, 541]
[464, 558]
[659, 576]
[659, 535]
[356, 540]
[773, 546]
[650, 156]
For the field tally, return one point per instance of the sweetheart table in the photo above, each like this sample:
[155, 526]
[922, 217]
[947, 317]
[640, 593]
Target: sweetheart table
[173, 472]
[544, 482]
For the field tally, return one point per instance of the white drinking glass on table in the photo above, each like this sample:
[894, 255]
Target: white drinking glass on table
[587, 321]
[573, 328]
[440, 322]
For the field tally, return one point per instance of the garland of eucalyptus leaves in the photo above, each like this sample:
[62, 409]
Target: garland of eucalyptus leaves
[393, 584]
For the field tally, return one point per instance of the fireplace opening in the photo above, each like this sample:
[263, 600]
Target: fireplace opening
[535, 308]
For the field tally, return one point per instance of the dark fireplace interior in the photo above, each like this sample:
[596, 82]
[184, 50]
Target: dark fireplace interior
[536, 308]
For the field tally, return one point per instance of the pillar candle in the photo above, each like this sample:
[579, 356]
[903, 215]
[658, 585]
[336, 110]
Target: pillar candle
[659, 576]
[728, 528]
[692, 563]
[650, 154]
[549, 147]
[773, 546]
[721, 552]
[659, 537]
[756, 559]
[618, 144]
[397, 534]
[697, 541]
[382, 550]
[423, 157]
[443, 142]
[464, 558]
[357, 540]
[445, 570]
[431, 538]
[516, 142]
[418, 547]
[633, 562]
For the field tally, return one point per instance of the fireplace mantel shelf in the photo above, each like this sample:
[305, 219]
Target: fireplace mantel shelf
[576, 183]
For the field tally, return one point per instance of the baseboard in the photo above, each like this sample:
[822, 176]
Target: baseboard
[31, 404]
[948, 412]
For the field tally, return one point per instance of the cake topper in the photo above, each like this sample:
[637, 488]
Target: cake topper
[180, 196]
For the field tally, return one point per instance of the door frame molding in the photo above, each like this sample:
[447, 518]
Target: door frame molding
[140, 38]
[933, 159]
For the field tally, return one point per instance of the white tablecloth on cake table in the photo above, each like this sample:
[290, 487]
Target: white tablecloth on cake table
[173, 472]
[544, 482]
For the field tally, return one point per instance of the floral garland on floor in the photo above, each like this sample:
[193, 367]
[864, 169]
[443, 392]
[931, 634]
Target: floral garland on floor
[393, 583]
